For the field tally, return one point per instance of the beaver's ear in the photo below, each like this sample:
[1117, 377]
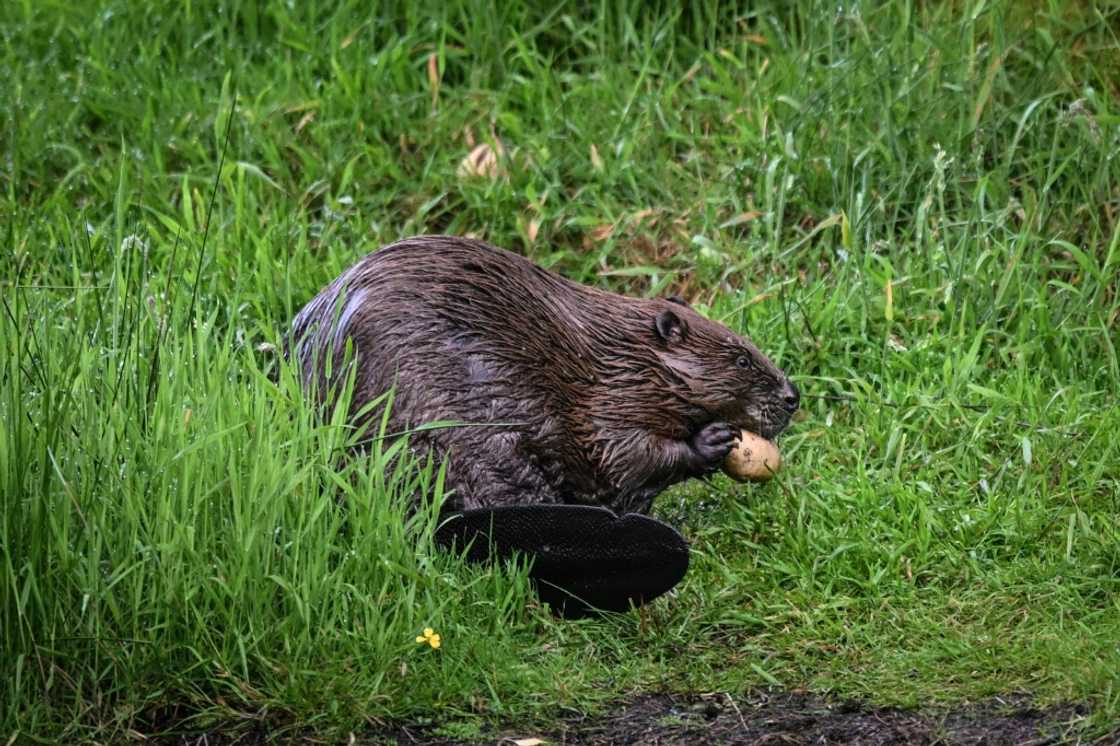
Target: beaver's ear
[669, 326]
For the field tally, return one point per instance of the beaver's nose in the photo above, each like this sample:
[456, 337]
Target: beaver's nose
[790, 396]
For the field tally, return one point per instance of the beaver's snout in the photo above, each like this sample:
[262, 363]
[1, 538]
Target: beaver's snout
[774, 415]
[790, 396]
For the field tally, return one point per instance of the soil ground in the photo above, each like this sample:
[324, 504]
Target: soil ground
[761, 719]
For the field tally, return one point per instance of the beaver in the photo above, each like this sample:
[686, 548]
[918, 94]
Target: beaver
[565, 394]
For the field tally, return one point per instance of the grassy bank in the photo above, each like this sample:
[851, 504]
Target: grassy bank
[912, 207]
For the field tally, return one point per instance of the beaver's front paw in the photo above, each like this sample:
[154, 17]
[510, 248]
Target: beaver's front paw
[712, 444]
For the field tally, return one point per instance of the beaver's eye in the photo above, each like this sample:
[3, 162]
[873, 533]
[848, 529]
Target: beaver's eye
[743, 361]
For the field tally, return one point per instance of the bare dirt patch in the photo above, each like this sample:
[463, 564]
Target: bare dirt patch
[756, 719]
[789, 719]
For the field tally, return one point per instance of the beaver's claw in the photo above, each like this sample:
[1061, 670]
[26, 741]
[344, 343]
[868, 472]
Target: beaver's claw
[712, 444]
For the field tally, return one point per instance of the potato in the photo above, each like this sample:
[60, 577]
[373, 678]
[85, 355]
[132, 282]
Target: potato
[754, 459]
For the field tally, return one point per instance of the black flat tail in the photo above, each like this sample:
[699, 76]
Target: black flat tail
[583, 558]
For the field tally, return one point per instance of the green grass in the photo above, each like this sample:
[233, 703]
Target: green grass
[912, 206]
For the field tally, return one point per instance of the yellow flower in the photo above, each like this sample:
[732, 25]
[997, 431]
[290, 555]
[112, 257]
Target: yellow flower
[429, 637]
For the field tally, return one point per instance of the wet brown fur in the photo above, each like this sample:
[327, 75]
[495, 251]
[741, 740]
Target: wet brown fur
[601, 399]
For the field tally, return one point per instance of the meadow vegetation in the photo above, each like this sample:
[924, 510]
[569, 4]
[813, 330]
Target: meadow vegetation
[913, 207]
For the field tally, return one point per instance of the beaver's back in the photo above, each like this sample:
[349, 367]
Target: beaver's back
[441, 295]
